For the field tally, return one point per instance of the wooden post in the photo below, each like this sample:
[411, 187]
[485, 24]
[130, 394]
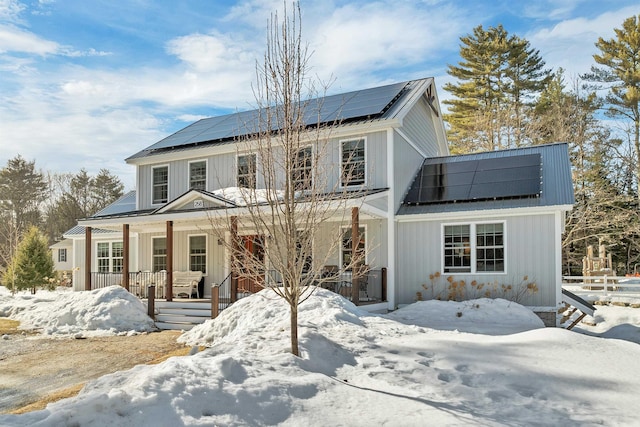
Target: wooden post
[383, 280]
[234, 251]
[125, 256]
[87, 259]
[215, 300]
[169, 285]
[151, 301]
[355, 268]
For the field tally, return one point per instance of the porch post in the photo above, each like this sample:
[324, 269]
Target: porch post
[87, 258]
[169, 287]
[215, 300]
[234, 251]
[355, 268]
[125, 256]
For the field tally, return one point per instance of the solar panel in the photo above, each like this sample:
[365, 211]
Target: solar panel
[473, 180]
[343, 107]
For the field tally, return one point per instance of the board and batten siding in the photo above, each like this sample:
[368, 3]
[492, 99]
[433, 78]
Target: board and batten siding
[376, 160]
[407, 162]
[528, 243]
[216, 267]
[419, 126]
[376, 242]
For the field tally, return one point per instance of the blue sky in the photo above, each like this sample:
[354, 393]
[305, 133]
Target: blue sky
[85, 84]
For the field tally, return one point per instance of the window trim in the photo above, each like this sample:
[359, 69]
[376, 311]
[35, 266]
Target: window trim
[153, 168]
[206, 173]
[309, 168]
[473, 240]
[365, 179]
[110, 256]
[153, 256]
[255, 170]
[206, 251]
[366, 239]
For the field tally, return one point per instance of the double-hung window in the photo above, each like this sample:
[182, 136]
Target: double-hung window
[198, 253]
[247, 171]
[352, 162]
[474, 248]
[347, 247]
[62, 255]
[160, 184]
[198, 175]
[159, 253]
[110, 257]
[301, 170]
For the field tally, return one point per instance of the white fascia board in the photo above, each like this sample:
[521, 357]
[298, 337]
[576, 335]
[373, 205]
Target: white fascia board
[441, 216]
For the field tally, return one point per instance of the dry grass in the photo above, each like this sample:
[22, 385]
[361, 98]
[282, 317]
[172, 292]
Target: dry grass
[74, 390]
[9, 327]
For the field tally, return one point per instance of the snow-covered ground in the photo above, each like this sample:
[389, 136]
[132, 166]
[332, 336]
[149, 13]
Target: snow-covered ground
[482, 362]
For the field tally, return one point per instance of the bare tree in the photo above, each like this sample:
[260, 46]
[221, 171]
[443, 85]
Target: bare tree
[289, 190]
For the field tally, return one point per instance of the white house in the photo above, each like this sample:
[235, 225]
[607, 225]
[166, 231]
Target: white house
[490, 218]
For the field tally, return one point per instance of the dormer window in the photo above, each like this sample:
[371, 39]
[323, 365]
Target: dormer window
[198, 175]
[247, 171]
[352, 162]
[160, 184]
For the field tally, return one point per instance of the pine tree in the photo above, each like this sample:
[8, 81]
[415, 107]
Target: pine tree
[22, 190]
[497, 78]
[620, 71]
[33, 265]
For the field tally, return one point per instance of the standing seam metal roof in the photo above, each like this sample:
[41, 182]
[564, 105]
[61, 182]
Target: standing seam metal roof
[556, 186]
[350, 107]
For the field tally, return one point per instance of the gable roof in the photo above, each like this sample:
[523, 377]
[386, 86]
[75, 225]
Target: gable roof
[555, 184]
[376, 103]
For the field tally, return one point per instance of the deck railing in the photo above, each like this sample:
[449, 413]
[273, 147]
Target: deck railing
[605, 285]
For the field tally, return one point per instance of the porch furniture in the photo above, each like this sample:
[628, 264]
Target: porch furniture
[186, 282]
[145, 278]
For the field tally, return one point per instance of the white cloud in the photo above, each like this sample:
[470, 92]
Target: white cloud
[10, 10]
[570, 44]
[13, 39]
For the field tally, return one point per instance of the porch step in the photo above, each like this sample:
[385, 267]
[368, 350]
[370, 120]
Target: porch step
[181, 315]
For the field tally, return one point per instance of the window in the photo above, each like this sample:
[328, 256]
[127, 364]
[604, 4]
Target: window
[160, 184]
[247, 171]
[198, 175]
[304, 248]
[347, 246]
[457, 249]
[198, 253]
[301, 170]
[489, 247]
[352, 162]
[471, 248]
[110, 256]
[159, 261]
[62, 255]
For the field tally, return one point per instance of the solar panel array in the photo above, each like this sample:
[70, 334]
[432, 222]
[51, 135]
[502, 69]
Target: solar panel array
[475, 180]
[366, 103]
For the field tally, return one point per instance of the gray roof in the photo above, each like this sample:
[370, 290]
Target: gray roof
[361, 105]
[556, 188]
[124, 205]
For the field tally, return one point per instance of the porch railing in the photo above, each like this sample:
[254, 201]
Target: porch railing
[138, 281]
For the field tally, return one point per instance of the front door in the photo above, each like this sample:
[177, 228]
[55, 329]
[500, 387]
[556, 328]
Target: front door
[251, 278]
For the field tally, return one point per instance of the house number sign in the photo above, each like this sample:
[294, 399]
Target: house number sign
[198, 204]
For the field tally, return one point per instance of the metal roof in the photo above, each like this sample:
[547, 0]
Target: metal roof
[126, 203]
[556, 185]
[365, 104]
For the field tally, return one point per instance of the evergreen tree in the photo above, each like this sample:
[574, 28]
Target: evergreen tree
[33, 265]
[498, 77]
[620, 71]
[22, 190]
